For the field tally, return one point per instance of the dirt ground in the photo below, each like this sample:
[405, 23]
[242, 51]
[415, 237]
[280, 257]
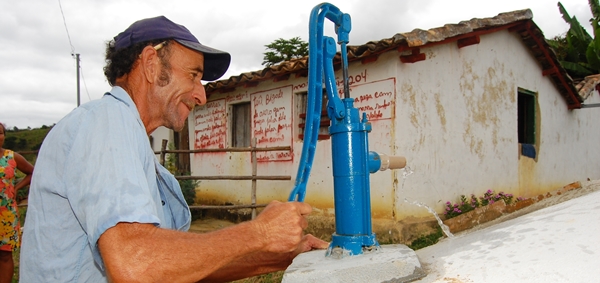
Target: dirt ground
[209, 224]
[387, 231]
[407, 230]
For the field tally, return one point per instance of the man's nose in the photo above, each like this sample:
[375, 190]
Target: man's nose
[199, 94]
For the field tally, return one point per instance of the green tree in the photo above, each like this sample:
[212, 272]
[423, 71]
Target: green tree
[22, 145]
[282, 50]
[10, 142]
[578, 52]
[560, 46]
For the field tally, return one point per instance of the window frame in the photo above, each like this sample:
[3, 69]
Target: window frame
[526, 116]
[246, 123]
[301, 102]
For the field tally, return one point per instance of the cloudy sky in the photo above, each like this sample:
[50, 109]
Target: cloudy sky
[38, 82]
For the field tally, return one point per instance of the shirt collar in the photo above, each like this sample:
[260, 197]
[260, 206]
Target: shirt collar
[120, 94]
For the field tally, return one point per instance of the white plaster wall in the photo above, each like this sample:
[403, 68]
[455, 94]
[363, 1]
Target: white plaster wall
[320, 184]
[158, 135]
[455, 120]
[238, 163]
[460, 110]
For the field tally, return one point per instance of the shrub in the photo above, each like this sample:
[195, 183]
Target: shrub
[464, 205]
[188, 187]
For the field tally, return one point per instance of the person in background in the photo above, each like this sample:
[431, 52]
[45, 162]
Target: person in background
[10, 161]
[102, 208]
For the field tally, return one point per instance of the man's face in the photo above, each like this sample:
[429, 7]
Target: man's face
[179, 86]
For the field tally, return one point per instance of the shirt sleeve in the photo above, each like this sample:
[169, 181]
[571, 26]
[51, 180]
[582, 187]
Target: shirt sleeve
[107, 176]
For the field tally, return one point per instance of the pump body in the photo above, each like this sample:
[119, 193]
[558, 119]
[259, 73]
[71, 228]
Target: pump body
[352, 162]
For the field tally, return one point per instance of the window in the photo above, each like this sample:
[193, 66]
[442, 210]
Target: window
[526, 119]
[302, 101]
[240, 125]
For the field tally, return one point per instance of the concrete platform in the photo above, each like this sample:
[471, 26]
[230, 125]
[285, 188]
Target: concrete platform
[392, 263]
[558, 243]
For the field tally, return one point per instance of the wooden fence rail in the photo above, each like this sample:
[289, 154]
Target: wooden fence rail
[254, 177]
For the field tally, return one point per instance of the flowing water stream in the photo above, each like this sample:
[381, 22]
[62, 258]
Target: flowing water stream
[405, 173]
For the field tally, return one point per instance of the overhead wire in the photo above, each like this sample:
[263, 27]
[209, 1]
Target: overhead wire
[73, 48]
[84, 84]
[66, 28]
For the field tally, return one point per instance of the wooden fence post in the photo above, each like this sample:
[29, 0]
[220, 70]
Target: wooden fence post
[163, 151]
[254, 170]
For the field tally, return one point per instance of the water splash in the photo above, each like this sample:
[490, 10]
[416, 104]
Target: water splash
[439, 220]
[405, 173]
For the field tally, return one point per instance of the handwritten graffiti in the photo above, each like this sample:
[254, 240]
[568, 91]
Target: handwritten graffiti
[237, 97]
[301, 86]
[276, 155]
[272, 123]
[352, 79]
[376, 99]
[272, 97]
[210, 125]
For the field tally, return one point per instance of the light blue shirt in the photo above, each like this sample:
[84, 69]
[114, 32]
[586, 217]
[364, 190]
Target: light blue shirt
[95, 169]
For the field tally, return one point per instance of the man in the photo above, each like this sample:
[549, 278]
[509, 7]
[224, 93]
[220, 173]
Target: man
[101, 208]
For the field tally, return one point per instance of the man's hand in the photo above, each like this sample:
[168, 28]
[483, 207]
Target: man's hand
[281, 226]
[310, 242]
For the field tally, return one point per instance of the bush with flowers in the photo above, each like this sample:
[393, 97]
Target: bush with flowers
[465, 205]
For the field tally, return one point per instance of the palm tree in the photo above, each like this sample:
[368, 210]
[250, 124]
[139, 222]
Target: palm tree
[578, 52]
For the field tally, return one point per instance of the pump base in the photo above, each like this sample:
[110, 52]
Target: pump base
[391, 263]
[342, 246]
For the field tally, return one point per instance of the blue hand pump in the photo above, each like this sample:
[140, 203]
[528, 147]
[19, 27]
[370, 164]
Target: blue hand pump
[351, 160]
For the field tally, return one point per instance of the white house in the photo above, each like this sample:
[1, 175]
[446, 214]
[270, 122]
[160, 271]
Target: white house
[478, 105]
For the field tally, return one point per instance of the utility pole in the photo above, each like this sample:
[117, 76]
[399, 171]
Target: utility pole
[78, 94]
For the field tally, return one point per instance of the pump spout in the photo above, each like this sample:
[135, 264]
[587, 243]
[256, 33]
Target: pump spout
[382, 162]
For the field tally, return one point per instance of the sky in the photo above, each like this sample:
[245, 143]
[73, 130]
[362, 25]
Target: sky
[38, 74]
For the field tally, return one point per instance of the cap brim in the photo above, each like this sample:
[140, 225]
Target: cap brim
[216, 62]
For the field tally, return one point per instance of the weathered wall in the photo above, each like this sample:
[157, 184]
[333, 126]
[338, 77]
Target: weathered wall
[459, 110]
[454, 116]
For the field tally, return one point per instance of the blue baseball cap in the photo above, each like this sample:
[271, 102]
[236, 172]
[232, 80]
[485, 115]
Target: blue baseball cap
[216, 61]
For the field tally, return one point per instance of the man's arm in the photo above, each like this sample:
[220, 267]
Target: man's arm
[136, 252]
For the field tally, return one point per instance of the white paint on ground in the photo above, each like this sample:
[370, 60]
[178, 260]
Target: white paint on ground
[560, 243]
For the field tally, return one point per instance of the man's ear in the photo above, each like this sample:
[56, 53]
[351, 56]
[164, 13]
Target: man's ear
[149, 62]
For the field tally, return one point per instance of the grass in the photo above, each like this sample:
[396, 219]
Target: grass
[17, 252]
[427, 240]
[25, 140]
[274, 277]
[16, 257]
